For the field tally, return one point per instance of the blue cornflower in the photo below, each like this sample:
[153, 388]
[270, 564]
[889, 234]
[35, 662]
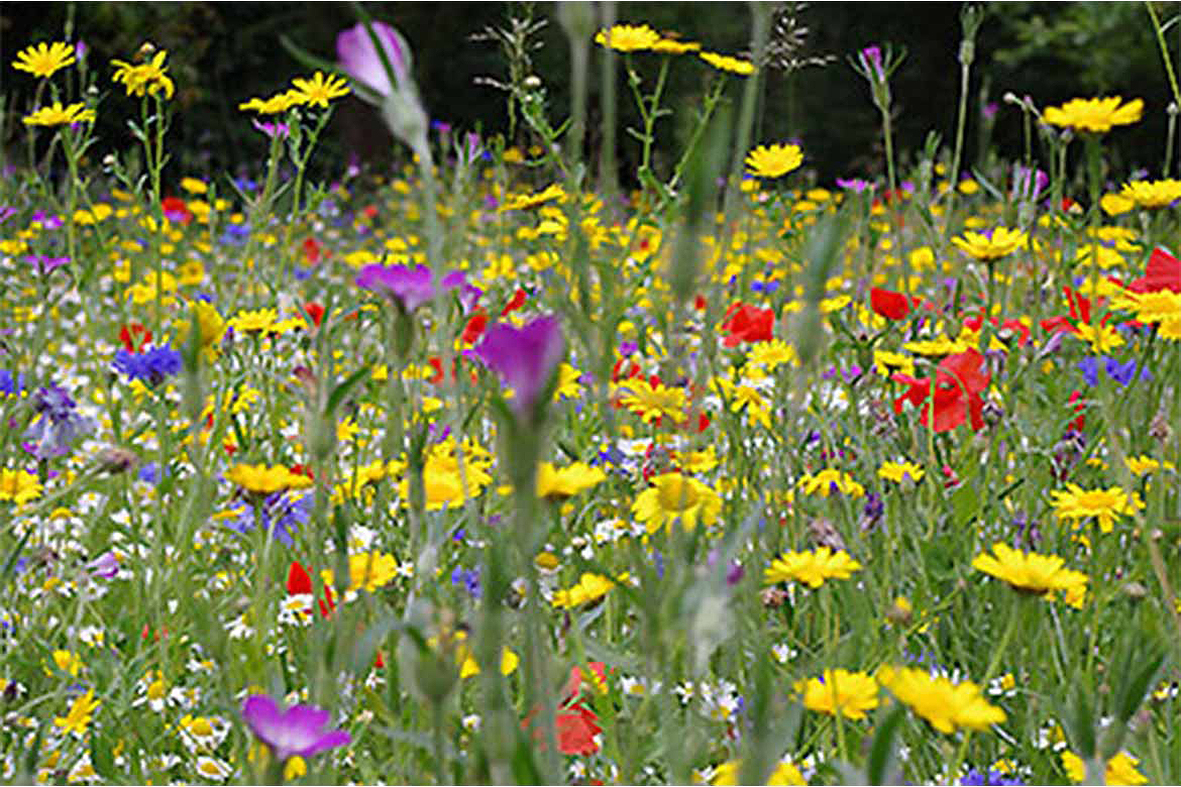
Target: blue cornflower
[1122, 373]
[58, 422]
[11, 384]
[283, 514]
[150, 366]
[989, 778]
[1089, 366]
[468, 579]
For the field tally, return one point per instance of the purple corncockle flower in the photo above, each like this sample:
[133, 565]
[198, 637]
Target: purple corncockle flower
[45, 264]
[523, 357]
[80, 49]
[58, 423]
[105, 566]
[1028, 183]
[856, 185]
[358, 56]
[47, 220]
[299, 730]
[272, 130]
[990, 110]
[871, 58]
[408, 287]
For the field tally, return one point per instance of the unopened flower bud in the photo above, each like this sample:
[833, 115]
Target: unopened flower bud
[116, 459]
[773, 598]
[1135, 590]
[532, 81]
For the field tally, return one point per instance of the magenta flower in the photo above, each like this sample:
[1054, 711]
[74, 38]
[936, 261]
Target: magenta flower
[408, 287]
[357, 55]
[871, 58]
[299, 730]
[523, 357]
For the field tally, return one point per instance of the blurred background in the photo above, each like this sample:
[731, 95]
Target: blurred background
[223, 53]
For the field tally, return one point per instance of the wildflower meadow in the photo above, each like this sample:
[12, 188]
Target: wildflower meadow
[503, 466]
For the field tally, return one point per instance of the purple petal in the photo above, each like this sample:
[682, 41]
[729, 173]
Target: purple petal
[356, 53]
[523, 357]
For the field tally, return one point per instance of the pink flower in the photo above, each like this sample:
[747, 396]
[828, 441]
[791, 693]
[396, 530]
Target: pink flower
[299, 730]
[358, 56]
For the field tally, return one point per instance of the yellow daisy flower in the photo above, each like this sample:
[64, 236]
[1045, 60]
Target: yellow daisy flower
[947, 706]
[1152, 193]
[785, 773]
[1001, 242]
[811, 568]
[275, 105]
[80, 715]
[628, 38]
[57, 115]
[265, 480]
[726, 63]
[1106, 505]
[675, 497]
[651, 402]
[590, 587]
[149, 77]
[554, 483]
[1095, 114]
[318, 90]
[41, 60]
[256, 320]
[19, 486]
[773, 161]
[1121, 769]
[672, 46]
[830, 479]
[1029, 572]
[839, 691]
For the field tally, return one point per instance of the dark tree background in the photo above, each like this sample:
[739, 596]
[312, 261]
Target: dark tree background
[223, 53]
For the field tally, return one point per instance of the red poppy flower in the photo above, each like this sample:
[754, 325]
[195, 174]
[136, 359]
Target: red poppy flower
[315, 311]
[746, 323]
[134, 337]
[889, 304]
[299, 582]
[475, 327]
[175, 210]
[699, 303]
[312, 251]
[958, 384]
[1163, 273]
[518, 300]
[976, 322]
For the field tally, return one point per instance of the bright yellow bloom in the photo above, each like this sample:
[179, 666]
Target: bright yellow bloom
[1152, 193]
[265, 480]
[1162, 306]
[1121, 769]
[898, 471]
[1141, 465]
[674, 497]
[194, 185]
[1115, 204]
[672, 46]
[947, 706]
[19, 486]
[149, 77]
[849, 694]
[811, 568]
[785, 773]
[41, 60]
[370, 571]
[469, 667]
[80, 715]
[628, 38]
[443, 480]
[318, 91]
[1106, 505]
[887, 363]
[772, 354]
[554, 483]
[651, 402]
[773, 161]
[256, 320]
[1102, 338]
[940, 345]
[275, 105]
[1001, 242]
[1029, 572]
[590, 587]
[524, 201]
[726, 63]
[1095, 114]
[57, 115]
[828, 480]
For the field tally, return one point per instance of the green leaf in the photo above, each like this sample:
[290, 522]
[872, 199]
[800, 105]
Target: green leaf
[342, 390]
[525, 770]
[882, 756]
